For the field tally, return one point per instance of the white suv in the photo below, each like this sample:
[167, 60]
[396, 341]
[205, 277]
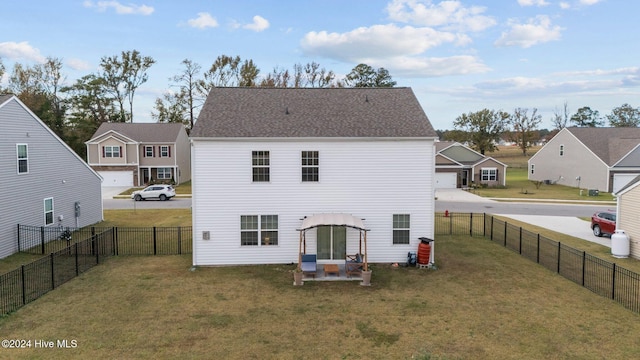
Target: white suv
[160, 192]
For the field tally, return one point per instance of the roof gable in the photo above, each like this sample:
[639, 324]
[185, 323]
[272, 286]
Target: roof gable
[312, 112]
[462, 154]
[609, 144]
[142, 132]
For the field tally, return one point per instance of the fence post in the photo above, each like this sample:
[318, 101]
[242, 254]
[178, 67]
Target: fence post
[584, 265]
[613, 283]
[53, 277]
[114, 240]
[42, 239]
[76, 249]
[179, 240]
[471, 224]
[491, 227]
[484, 224]
[505, 234]
[450, 223]
[24, 290]
[94, 246]
[559, 247]
[154, 241]
[520, 245]
[538, 251]
[19, 248]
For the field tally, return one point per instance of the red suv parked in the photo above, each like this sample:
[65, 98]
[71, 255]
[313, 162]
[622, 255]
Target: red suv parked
[603, 223]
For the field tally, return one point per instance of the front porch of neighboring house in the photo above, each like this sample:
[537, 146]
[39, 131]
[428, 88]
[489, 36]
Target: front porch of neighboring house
[331, 244]
[157, 175]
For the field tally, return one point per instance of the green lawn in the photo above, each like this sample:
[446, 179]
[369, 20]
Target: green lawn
[483, 302]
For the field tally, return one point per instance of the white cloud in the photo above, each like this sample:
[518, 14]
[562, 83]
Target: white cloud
[203, 21]
[77, 64]
[533, 2]
[119, 8]
[379, 41]
[20, 51]
[589, 2]
[537, 30]
[259, 24]
[447, 14]
[433, 66]
[564, 5]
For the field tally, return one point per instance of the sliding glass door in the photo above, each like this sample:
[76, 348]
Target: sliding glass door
[332, 242]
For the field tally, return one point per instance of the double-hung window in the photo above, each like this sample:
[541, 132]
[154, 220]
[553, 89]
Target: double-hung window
[561, 150]
[489, 174]
[148, 151]
[164, 173]
[258, 230]
[23, 158]
[48, 211]
[260, 166]
[401, 229]
[310, 166]
[164, 151]
[111, 151]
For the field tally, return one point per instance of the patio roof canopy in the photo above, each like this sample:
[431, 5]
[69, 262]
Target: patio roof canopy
[332, 219]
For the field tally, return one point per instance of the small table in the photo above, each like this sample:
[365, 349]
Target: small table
[331, 269]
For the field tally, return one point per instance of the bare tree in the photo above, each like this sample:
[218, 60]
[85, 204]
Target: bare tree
[524, 127]
[560, 118]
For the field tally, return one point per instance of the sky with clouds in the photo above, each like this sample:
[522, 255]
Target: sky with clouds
[458, 56]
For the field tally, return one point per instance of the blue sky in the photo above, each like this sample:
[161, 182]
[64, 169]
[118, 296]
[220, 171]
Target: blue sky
[458, 56]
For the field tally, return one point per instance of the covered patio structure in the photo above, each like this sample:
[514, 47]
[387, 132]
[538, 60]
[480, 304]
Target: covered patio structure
[336, 269]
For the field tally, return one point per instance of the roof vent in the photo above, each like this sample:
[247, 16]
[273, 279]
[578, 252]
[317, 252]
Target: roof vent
[366, 98]
[286, 110]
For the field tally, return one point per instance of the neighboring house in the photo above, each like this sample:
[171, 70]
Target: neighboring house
[458, 166]
[126, 154]
[628, 212]
[603, 159]
[267, 162]
[42, 178]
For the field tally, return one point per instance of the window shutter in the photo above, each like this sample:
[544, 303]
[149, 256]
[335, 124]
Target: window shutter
[169, 150]
[103, 152]
[120, 150]
[153, 150]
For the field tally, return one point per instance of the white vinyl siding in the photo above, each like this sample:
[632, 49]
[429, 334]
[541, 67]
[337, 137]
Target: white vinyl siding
[359, 177]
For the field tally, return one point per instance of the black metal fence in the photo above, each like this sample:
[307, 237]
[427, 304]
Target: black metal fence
[127, 240]
[28, 282]
[603, 277]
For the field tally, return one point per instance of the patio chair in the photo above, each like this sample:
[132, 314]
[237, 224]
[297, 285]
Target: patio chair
[308, 264]
[353, 264]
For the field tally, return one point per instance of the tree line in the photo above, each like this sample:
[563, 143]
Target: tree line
[483, 129]
[75, 111]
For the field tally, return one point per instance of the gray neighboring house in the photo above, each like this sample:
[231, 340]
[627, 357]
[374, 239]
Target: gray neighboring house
[126, 154]
[604, 159]
[42, 178]
[458, 166]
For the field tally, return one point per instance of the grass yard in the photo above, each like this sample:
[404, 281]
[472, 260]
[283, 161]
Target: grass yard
[484, 302]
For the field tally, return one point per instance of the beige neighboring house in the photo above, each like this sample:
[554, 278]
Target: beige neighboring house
[126, 154]
[628, 211]
[458, 166]
[603, 159]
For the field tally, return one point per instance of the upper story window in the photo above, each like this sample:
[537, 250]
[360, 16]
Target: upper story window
[23, 158]
[310, 166]
[260, 166]
[112, 151]
[401, 229]
[489, 174]
[148, 151]
[165, 151]
[561, 150]
[48, 211]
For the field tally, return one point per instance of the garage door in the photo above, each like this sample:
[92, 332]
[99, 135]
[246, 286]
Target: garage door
[620, 180]
[116, 178]
[446, 180]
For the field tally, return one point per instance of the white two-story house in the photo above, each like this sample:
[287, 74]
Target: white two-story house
[266, 159]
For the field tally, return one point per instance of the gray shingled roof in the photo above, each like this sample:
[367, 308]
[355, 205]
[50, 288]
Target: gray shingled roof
[4, 98]
[143, 132]
[312, 112]
[609, 144]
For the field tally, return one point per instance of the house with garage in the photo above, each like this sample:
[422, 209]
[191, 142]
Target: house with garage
[283, 171]
[136, 154]
[44, 182]
[628, 213]
[458, 166]
[602, 159]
